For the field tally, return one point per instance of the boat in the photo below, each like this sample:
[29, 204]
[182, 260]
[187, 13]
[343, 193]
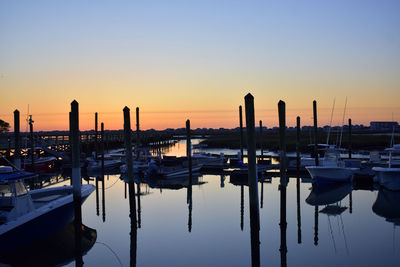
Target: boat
[96, 165]
[210, 161]
[170, 167]
[332, 168]
[42, 164]
[389, 177]
[29, 216]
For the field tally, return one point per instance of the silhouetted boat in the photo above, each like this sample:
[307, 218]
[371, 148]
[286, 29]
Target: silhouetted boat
[28, 216]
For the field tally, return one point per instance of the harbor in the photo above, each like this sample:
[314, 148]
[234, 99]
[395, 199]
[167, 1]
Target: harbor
[199, 133]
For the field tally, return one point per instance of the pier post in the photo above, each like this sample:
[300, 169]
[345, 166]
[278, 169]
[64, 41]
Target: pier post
[298, 132]
[95, 135]
[102, 147]
[283, 180]
[17, 141]
[315, 133]
[137, 133]
[282, 142]
[350, 139]
[32, 143]
[129, 164]
[251, 156]
[241, 132]
[189, 150]
[261, 140]
[252, 181]
[316, 226]
[74, 133]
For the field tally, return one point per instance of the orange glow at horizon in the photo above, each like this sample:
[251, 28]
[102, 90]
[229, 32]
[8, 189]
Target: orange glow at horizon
[160, 120]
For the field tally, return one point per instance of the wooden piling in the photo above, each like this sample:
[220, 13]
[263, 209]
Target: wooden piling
[241, 132]
[95, 135]
[32, 143]
[298, 132]
[74, 132]
[350, 137]
[189, 150]
[129, 164]
[17, 143]
[137, 132]
[282, 141]
[102, 147]
[315, 133]
[261, 140]
[251, 156]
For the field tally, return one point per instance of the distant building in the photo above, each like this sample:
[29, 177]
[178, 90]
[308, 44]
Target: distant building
[383, 125]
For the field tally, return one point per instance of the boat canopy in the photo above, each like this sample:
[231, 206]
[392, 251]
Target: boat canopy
[7, 174]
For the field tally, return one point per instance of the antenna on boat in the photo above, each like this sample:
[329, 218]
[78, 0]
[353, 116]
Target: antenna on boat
[344, 113]
[330, 123]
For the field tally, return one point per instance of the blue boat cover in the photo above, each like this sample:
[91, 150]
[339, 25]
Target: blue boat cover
[15, 175]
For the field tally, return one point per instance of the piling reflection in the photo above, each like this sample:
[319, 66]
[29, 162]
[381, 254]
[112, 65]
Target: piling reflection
[55, 250]
[330, 196]
[78, 231]
[132, 216]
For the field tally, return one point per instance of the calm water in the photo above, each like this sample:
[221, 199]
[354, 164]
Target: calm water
[215, 229]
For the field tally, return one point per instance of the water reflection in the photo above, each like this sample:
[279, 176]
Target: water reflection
[387, 205]
[55, 250]
[133, 223]
[329, 195]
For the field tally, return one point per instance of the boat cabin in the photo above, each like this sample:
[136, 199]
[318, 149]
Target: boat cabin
[14, 198]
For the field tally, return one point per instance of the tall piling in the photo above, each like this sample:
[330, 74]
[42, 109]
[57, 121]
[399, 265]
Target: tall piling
[261, 140]
[298, 132]
[298, 162]
[32, 141]
[17, 140]
[241, 132]
[74, 132]
[189, 152]
[129, 164]
[283, 180]
[252, 181]
[315, 133]
[96, 133]
[350, 137]
[102, 147]
[137, 132]
[76, 180]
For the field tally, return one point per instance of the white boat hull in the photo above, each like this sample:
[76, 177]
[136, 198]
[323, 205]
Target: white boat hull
[331, 174]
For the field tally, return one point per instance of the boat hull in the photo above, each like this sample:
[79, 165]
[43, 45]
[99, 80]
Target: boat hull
[388, 177]
[331, 174]
[40, 226]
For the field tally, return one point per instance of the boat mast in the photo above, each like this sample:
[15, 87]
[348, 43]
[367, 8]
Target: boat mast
[341, 132]
[330, 123]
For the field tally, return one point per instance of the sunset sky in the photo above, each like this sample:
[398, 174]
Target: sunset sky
[197, 60]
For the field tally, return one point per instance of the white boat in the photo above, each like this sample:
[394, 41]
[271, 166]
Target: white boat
[96, 165]
[208, 160]
[389, 177]
[171, 167]
[332, 169]
[28, 216]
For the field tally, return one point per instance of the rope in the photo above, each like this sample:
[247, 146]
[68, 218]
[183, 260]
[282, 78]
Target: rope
[112, 251]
